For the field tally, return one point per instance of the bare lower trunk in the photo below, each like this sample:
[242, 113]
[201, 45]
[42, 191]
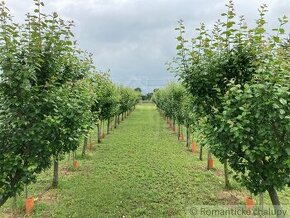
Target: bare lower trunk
[188, 137]
[55, 172]
[14, 180]
[261, 201]
[200, 152]
[173, 125]
[226, 171]
[108, 126]
[276, 202]
[85, 145]
[3, 200]
[14, 203]
[99, 133]
[179, 132]
[26, 192]
[116, 121]
[103, 127]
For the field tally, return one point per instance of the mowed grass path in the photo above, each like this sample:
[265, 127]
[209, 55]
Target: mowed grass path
[139, 170]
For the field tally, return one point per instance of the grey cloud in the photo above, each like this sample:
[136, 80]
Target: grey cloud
[134, 38]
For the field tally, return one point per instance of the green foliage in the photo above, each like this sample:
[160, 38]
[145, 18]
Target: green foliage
[106, 104]
[239, 81]
[147, 97]
[160, 169]
[51, 95]
[68, 116]
[45, 98]
[129, 98]
[138, 89]
[175, 103]
[256, 123]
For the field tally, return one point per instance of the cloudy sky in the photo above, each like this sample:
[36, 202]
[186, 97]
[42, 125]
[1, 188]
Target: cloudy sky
[134, 38]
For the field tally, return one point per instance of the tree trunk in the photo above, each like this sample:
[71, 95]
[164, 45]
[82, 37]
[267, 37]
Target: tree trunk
[122, 116]
[275, 201]
[200, 152]
[85, 145]
[3, 200]
[14, 203]
[188, 137]
[116, 121]
[179, 131]
[226, 171]
[16, 178]
[55, 172]
[173, 125]
[99, 132]
[26, 191]
[261, 201]
[103, 128]
[108, 127]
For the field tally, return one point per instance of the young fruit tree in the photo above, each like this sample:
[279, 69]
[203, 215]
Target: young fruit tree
[45, 101]
[239, 80]
[106, 105]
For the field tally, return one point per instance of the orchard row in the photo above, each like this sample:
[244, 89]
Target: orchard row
[234, 87]
[51, 97]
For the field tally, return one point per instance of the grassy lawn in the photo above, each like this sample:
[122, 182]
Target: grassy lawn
[139, 170]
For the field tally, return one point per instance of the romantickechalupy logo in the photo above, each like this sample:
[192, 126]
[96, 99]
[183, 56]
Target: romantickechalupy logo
[267, 211]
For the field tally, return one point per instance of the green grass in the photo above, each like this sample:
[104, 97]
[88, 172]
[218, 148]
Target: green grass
[139, 170]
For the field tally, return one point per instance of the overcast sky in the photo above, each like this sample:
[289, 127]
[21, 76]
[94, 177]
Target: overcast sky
[134, 38]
